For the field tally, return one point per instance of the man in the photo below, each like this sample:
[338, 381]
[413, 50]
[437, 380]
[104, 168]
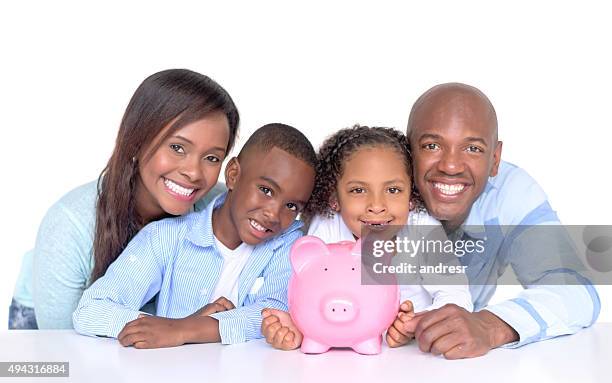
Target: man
[458, 170]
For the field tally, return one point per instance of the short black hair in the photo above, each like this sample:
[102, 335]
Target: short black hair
[284, 137]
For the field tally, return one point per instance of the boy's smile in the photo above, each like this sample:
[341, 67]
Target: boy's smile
[267, 189]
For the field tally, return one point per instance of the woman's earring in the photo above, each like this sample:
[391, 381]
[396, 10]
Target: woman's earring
[411, 206]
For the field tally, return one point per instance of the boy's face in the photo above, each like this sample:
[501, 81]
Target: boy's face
[268, 190]
[374, 190]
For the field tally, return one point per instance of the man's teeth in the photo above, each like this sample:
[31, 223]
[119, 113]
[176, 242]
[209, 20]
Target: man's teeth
[178, 189]
[449, 189]
[257, 226]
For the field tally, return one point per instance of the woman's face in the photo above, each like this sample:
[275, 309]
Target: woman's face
[182, 169]
[374, 190]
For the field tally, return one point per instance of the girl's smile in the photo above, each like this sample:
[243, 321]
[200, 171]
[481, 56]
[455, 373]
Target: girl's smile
[374, 189]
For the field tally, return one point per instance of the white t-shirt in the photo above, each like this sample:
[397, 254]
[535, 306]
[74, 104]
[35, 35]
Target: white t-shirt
[423, 297]
[233, 263]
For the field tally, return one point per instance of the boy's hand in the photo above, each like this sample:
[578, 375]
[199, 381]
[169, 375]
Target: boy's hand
[279, 330]
[402, 329]
[221, 304]
[152, 332]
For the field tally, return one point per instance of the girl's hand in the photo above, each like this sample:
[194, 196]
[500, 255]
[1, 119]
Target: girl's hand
[402, 329]
[279, 330]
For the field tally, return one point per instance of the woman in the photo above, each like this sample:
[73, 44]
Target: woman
[174, 135]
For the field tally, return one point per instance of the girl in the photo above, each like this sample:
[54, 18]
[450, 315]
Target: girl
[174, 135]
[364, 180]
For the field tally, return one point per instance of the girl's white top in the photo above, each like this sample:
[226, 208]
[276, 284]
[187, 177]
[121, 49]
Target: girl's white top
[424, 296]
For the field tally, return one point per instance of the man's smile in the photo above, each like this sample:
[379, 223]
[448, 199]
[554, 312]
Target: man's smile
[448, 190]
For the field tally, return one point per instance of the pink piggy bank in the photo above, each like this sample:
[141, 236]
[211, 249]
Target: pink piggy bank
[328, 303]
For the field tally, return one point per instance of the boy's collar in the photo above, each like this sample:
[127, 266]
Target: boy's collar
[201, 233]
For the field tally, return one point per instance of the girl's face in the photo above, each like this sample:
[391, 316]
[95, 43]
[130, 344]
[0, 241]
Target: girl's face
[374, 189]
[182, 169]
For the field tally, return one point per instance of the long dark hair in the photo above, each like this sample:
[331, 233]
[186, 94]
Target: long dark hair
[175, 96]
[337, 148]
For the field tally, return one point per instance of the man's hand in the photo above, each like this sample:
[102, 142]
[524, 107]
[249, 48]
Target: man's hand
[279, 330]
[221, 304]
[457, 333]
[402, 329]
[152, 332]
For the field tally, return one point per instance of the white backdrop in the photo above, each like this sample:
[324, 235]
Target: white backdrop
[68, 70]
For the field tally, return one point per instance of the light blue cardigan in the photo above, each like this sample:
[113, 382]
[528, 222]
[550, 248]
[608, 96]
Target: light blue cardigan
[55, 273]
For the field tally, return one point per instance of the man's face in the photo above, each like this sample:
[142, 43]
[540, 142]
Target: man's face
[454, 154]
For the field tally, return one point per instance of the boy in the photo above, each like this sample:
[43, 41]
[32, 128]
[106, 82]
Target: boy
[204, 265]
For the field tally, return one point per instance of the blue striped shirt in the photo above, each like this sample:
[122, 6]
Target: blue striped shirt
[541, 310]
[178, 259]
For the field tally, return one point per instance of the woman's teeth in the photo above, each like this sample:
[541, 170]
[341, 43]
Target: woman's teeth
[178, 189]
[449, 189]
[257, 226]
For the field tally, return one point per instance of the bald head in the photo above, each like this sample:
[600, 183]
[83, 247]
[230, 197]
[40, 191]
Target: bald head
[453, 137]
[454, 100]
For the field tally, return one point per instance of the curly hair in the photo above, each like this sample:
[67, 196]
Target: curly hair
[338, 148]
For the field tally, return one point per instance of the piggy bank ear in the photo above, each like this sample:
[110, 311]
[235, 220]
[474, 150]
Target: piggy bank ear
[356, 250]
[304, 250]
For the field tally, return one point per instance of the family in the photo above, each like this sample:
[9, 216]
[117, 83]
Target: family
[157, 253]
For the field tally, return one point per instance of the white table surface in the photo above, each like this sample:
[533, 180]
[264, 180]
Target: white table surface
[583, 357]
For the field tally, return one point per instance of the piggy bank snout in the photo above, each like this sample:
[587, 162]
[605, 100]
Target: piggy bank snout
[339, 310]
